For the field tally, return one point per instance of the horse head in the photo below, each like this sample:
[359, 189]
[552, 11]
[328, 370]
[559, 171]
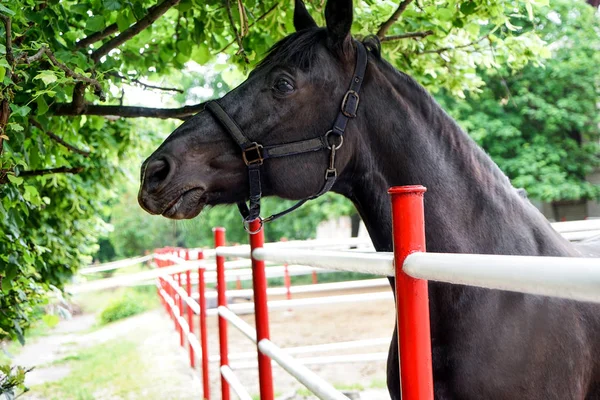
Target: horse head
[292, 97]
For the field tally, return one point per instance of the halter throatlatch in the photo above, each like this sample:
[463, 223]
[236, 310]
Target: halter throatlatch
[254, 154]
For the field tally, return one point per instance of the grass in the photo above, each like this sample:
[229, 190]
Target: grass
[95, 302]
[113, 366]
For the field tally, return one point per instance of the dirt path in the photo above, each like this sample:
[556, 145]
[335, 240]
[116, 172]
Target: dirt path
[164, 362]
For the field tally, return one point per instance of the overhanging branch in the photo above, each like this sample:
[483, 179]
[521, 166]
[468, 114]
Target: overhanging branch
[65, 109]
[387, 24]
[143, 84]
[58, 139]
[134, 29]
[408, 35]
[68, 71]
[49, 171]
[95, 37]
[443, 49]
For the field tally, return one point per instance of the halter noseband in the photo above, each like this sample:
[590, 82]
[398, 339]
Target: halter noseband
[254, 153]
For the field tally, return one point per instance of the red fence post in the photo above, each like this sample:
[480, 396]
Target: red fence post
[261, 311]
[190, 312]
[180, 306]
[203, 335]
[219, 234]
[412, 298]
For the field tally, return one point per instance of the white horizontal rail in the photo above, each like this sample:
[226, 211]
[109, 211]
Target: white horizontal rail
[235, 383]
[325, 360]
[321, 388]
[193, 304]
[239, 323]
[368, 263]
[565, 277]
[114, 265]
[244, 250]
[580, 235]
[576, 226]
[244, 308]
[316, 348]
[314, 288]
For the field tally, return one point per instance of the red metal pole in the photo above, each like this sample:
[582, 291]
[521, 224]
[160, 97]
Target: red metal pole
[203, 335]
[315, 280]
[287, 281]
[261, 311]
[190, 312]
[180, 306]
[219, 234]
[412, 298]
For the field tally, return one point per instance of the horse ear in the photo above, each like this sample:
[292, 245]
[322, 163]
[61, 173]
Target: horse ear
[338, 15]
[302, 19]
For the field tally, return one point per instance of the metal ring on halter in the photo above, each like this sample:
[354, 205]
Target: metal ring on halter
[247, 226]
[329, 146]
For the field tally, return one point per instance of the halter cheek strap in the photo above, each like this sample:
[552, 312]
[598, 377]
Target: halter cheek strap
[254, 153]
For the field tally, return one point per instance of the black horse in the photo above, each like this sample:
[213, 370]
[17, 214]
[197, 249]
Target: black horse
[486, 344]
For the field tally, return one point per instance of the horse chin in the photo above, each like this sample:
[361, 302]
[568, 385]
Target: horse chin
[186, 206]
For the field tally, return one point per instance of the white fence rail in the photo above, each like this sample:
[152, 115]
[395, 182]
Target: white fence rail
[565, 277]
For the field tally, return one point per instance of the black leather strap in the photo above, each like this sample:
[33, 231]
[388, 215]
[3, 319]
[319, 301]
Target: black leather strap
[254, 153]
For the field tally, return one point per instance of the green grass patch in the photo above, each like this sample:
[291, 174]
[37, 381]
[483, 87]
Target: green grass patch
[96, 302]
[113, 368]
[131, 302]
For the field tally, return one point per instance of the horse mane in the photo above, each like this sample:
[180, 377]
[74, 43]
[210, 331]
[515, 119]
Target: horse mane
[298, 49]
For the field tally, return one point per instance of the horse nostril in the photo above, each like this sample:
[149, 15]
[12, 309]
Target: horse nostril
[156, 173]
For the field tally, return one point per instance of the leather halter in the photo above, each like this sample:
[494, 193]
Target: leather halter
[254, 153]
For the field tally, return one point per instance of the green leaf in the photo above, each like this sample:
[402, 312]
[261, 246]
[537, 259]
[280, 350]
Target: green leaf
[95, 23]
[5, 10]
[4, 63]
[468, 7]
[201, 54]
[15, 179]
[21, 111]
[123, 21]
[112, 5]
[47, 77]
[2, 73]
[42, 106]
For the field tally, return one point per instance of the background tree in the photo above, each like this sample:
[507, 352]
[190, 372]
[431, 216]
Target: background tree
[541, 125]
[67, 69]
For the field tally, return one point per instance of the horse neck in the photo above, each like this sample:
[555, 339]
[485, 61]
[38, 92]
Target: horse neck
[470, 205]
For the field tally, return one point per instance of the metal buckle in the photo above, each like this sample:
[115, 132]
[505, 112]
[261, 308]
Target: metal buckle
[257, 159]
[330, 173]
[247, 226]
[345, 103]
[330, 145]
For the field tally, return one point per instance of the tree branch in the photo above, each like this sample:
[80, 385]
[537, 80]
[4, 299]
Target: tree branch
[144, 85]
[252, 24]
[59, 170]
[133, 30]
[58, 139]
[9, 53]
[442, 49]
[68, 71]
[238, 37]
[95, 37]
[387, 24]
[407, 35]
[65, 109]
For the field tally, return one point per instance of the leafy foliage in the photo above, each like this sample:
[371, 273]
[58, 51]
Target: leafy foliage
[541, 124]
[12, 381]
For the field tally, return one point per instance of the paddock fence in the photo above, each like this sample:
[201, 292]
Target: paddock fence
[182, 275]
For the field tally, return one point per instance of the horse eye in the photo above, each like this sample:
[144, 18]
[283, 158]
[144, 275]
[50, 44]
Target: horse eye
[283, 86]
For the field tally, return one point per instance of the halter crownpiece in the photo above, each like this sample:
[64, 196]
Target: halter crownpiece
[254, 154]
